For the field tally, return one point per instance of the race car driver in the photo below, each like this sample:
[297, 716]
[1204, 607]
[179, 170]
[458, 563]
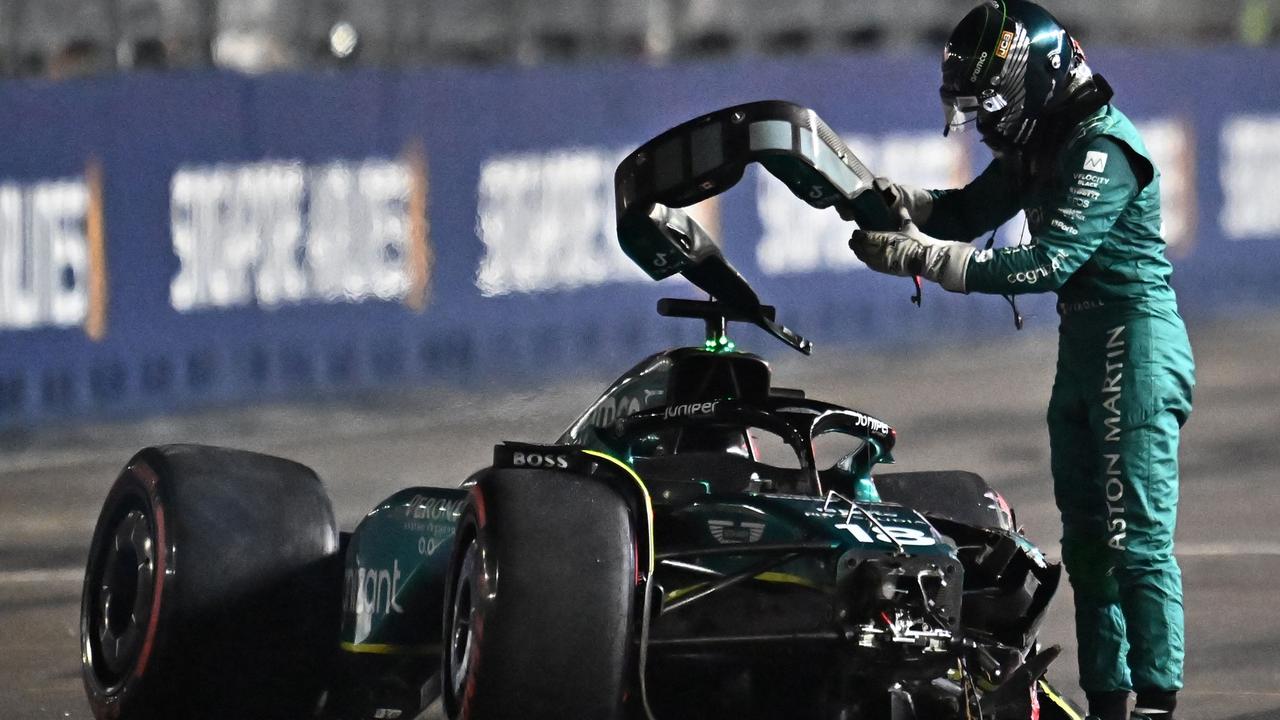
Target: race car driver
[1076, 165]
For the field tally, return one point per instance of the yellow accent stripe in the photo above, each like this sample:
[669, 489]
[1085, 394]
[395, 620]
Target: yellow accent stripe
[419, 256]
[648, 501]
[95, 321]
[780, 577]
[773, 577]
[681, 592]
[1058, 700]
[385, 649]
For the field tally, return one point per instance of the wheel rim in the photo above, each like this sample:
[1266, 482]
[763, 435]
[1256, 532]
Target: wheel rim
[122, 604]
[461, 637]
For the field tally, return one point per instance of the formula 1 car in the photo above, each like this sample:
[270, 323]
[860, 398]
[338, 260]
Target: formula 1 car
[698, 543]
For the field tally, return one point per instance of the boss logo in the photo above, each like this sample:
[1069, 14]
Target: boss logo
[539, 460]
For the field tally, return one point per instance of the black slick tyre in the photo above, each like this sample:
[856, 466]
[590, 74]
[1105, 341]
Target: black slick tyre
[954, 495]
[211, 589]
[539, 605]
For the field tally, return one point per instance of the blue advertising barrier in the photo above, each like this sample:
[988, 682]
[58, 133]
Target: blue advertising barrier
[184, 240]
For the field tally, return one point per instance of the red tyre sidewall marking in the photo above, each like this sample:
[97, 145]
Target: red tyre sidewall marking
[477, 623]
[635, 557]
[469, 693]
[151, 481]
[477, 502]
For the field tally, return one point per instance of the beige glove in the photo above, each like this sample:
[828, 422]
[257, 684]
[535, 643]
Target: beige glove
[917, 202]
[908, 252]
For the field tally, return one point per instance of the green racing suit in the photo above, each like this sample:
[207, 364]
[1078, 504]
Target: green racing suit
[1123, 385]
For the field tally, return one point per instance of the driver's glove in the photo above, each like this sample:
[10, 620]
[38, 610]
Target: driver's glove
[917, 202]
[910, 252]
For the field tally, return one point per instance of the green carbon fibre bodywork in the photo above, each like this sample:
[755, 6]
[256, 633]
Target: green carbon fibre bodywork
[765, 520]
[795, 518]
[398, 556]
[394, 573]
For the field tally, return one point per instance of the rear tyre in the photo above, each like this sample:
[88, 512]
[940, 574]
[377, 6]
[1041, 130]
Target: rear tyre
[955, 495]
[212, 589]
[540, 600]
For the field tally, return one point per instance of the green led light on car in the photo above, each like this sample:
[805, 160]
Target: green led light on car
[722, 344]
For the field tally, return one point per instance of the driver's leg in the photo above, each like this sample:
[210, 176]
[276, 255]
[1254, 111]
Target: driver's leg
[1152, 379]
[1080, 491]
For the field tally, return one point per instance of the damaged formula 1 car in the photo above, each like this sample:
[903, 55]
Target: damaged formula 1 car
[699, 543]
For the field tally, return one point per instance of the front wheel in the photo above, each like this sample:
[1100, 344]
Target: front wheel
[539, 606]
[212, 589]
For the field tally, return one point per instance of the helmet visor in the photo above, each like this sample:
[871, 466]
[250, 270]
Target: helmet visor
[958, 111]
[962, 110]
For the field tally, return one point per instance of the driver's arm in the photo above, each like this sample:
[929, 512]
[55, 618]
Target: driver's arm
[979, 207]
[1079, 215]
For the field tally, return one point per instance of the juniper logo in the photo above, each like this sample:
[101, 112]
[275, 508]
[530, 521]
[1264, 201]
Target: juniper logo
[690, 409]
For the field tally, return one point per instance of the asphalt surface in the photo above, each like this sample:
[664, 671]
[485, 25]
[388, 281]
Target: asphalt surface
[979, 408]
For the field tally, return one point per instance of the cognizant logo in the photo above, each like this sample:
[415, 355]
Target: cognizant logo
[373, 591]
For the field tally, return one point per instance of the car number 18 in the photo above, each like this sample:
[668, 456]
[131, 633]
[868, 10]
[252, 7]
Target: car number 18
[904, 536]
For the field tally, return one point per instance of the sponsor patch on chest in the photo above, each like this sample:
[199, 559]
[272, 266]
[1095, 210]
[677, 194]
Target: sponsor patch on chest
[1095, 161]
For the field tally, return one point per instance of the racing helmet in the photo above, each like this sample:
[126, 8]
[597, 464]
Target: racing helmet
[714, 438]
[1005, 67]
